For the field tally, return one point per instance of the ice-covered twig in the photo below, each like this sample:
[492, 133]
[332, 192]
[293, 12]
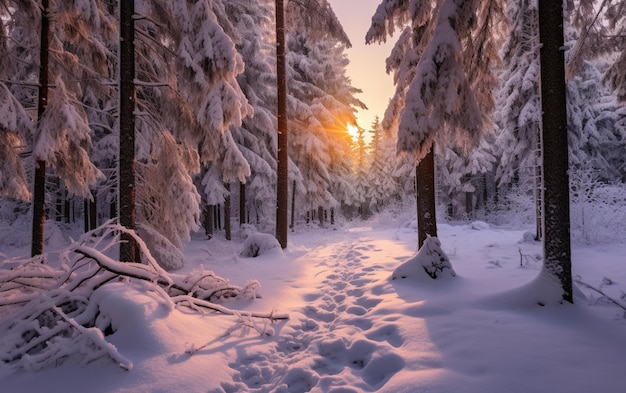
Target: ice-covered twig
[604, 295]
[192, 301]
[96, 337]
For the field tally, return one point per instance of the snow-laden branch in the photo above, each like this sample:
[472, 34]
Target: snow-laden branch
[49, 312]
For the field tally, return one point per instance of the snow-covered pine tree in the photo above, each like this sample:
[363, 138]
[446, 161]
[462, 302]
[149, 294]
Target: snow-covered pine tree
[518, 116]
[322, 103]
[383, 187]
[187, 68]
[252, 32]
[602, 28]
[451, 47]
[593, 115]
[168, 200]
[49, 50]
[63, 141]
[15, 129]
[361, 181]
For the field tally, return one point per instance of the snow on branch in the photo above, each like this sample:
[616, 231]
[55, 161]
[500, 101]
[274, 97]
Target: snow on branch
[49, 312]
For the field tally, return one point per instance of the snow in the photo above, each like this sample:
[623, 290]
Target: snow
[354, 329]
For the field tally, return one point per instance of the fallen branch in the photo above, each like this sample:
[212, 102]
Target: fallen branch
[199, 303]
[604, 295]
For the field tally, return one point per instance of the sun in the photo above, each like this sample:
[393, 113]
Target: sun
[353, 131]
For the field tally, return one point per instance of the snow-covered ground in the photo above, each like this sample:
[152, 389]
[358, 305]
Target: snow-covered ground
[353, 329]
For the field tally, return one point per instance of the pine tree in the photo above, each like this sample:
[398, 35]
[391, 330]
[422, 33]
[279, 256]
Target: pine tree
[361, 180]
[382, 184]
[321, 104]
[256, 137]
[557, 249]
[127, 106]
[602, 28]
[15, 130]
[443, 67]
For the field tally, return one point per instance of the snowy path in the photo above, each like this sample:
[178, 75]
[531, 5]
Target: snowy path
[332, 343]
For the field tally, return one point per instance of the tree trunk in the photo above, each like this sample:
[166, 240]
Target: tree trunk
[58, 203]
[67, 207]
[90, 212]
[86, 225]
[113, 208]
[469, 200]
[39, 178]
[293, 205]
[218, 217]
[426, 214]
[209, 220]
[538, 190]
[320, 216]
[242, 204]
[126, 187]
[282, 186]
[93, 210]
[557, 247]
[227, 228]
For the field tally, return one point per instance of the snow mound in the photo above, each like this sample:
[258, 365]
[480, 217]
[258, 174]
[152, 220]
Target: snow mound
[528, 237]
[543, 290]
[479, 226]
[259, 243]
[246, 230]
[429, 262]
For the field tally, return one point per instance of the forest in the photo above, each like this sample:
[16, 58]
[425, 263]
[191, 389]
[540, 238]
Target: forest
[138, 126]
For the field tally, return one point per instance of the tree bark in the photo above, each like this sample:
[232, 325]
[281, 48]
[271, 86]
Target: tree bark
[126, 187]
[556, 221]
[227, 228]
[293, 205]
[67, 213]
[242, 204]
[320, 216]
[39, 178]
[425, 185]
[282, 186]
[93, 210]
[209, 220]
[538, 190]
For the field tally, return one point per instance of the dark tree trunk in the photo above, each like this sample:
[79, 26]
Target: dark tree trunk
[86, 217]
[113, 208]
[126, 187]
[320, 215]
[293, 205]
[538, 190]
[469, 200]
[67, 207]
[242, 204]
[58, 203]
[209, 220]
[39, 178]
[218, 217]
[227, 228]
[90, 208]
[93, 210]
[557, 247]
[426, 214]
[282, 186]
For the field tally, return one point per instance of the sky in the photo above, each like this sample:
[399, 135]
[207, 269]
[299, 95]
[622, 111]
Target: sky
[367, 62]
